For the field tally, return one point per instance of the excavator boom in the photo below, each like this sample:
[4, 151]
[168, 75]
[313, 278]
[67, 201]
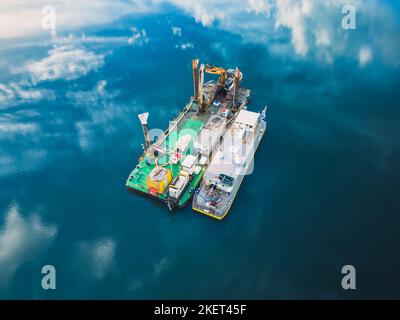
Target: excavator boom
[216, 70]
[198, 78]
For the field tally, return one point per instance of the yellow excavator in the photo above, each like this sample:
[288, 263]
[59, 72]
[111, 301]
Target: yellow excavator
[210, 69]
[216, 70]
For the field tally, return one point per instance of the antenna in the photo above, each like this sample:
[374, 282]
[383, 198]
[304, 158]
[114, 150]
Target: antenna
[143, 120]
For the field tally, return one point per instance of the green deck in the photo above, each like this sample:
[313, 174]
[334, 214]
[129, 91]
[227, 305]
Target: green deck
[138, 176]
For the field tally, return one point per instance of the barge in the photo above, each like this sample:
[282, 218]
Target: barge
[179, 163]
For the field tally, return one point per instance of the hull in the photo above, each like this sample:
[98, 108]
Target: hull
[179, 205]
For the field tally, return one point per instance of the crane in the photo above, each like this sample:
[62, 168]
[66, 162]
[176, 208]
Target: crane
[207, 68]
[216, 70]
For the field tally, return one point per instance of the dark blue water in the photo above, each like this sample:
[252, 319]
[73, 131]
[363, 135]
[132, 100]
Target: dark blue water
[324, 193]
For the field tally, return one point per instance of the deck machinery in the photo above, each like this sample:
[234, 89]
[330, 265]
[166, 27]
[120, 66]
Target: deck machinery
[172, 165]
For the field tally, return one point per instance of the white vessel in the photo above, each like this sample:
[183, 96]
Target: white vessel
[230, 163]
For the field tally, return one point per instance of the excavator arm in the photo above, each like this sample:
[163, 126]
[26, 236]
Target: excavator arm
[216, 70]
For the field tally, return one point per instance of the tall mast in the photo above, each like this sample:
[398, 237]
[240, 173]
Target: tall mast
[236, 80]
[195, 66]
[143, 120]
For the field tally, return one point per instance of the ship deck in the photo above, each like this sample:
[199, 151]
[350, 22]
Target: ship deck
[191, 123]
